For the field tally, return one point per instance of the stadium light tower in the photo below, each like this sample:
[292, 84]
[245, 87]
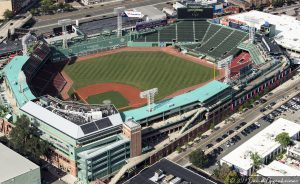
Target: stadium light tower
[225, 63]
[252, 21]
[149, 94]
[119, 11]
[64, 23]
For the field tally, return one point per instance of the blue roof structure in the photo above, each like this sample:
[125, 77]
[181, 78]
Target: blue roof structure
[200, 94]
[12, 71]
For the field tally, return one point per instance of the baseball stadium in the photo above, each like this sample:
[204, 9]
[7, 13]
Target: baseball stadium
[107, 98]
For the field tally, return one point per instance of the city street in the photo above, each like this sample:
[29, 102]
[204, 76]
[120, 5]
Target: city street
[250, 117]
[47, 22]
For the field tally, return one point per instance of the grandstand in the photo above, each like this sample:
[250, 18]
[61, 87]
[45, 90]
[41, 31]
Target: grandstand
[201, 37]
[256, 56]
[48, 80]
[81, 47]
[241, 61]
[41, 53]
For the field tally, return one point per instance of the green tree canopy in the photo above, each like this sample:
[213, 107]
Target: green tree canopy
[47, 6]
[256, 159]
[8, 14]
[232, 178]
[24, 138]
[198, 158]
[222, 172]
[284, 139]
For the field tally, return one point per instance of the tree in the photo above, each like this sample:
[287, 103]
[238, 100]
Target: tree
[198, 158]
[8, 14]
[222, 172]
[47, 6]
[179, 149]
[232, 178]
[34, 11]
[4, 140]
[256, 160]
[284, 139]
[25, 139]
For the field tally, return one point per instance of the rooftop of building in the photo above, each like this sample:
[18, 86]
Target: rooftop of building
[9, 46]
[12, 71]
[168, 168]
[74, 119]
[287, 27]
[200, 94]
[277, 168]
[151, 12]
[295, 148]
[13, 164]
[263, 143]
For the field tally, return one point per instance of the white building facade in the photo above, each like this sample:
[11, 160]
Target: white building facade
[263, 143]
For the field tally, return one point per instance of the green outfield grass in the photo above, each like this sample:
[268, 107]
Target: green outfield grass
[116, 98]
[144, 70]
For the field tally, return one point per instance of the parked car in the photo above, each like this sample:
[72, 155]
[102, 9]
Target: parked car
[209, 145]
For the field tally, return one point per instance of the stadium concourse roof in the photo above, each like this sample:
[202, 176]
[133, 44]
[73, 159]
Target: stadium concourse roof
[12, 71]
[200, 94]
[287, 27]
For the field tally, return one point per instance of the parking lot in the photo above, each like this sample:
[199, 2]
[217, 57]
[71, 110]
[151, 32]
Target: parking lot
[289, 110]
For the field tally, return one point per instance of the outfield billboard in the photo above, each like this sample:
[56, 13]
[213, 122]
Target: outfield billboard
[195, 12]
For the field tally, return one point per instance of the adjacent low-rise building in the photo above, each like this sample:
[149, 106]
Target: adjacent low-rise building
[15, 169]
[278, 171]
[263, 143]
[294, 151]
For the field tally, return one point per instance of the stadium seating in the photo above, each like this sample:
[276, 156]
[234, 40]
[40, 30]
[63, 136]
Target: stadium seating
[215, 40]
[168, 34]
[200, 29]
[48, 80]
[185, 31]
[152, 37]
[39, 56]
[231, 42]
[256, 56]
[212, 29]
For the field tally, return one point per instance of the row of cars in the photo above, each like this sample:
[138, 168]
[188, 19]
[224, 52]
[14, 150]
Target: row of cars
[291, 106]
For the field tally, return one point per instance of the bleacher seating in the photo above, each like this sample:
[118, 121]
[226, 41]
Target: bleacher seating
[168, 34]
[212, 29]
[210, 44]
[185, 31]
[200, 29]
[215, 41]
[231, 42]
[256, 56]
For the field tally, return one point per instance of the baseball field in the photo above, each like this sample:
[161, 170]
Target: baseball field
[138, 70]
